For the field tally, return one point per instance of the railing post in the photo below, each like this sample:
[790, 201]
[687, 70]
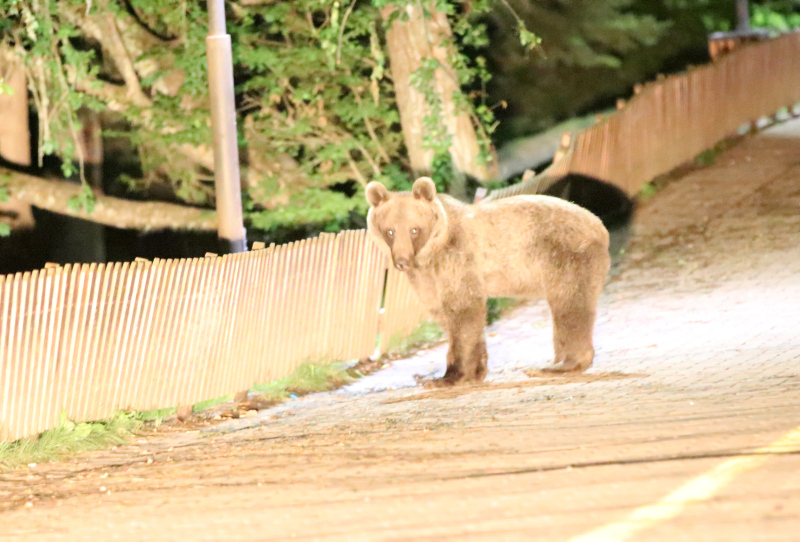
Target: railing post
[223, 121]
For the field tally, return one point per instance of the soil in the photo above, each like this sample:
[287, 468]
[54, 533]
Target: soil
[697, 361]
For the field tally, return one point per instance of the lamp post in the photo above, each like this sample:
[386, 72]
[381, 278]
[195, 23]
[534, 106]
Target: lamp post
[232, 235]
[742, 16]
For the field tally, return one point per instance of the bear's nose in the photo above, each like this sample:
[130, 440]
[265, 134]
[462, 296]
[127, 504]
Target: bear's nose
[401, 264]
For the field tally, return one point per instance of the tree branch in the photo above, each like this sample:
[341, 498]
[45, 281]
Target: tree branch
[370, 128]
[124, 63]
[53, 195]
[341, 31]
[356, 172]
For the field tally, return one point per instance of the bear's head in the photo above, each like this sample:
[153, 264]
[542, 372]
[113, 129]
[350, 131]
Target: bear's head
[411, 226]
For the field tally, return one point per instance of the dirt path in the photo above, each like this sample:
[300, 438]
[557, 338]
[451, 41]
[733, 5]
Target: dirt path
[697, 365]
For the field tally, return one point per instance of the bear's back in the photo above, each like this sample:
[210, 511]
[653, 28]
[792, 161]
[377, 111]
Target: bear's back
[521, 219]
[514, 238]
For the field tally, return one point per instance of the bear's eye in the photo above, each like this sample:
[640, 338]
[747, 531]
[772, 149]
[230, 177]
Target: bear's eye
[414, 231]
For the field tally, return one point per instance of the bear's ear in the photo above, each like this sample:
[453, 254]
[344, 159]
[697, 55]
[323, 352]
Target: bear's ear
[376, 193]
[424, 188]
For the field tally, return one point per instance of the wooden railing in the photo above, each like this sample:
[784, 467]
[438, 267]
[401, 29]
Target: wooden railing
[670, 121]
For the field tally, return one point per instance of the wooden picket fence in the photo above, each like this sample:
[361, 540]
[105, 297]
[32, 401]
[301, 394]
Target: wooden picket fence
[88, 340]
[670, 121]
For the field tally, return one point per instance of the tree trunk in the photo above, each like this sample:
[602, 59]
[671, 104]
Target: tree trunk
[15, 135]
[84, 240]
[410, 43]
[91, 141]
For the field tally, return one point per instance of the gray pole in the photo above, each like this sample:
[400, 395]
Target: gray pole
[742, 16]
[223, 122]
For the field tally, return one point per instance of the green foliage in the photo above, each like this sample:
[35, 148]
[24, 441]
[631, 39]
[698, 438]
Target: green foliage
[496, 306]
[4, 194]
[209, 403]
[46, 44]
[67, 439]
[395, 178]
[442, 171]
[425, 334]
[311, 206]
[775, 15]
[320, 105]
[315, 100]
[706, 158]
[314, 95]
[589, 52]
[155, 416]
[647, 191]
[310, 84]
[436, 136]
[5, 229]
[527, 39]
[84, 201]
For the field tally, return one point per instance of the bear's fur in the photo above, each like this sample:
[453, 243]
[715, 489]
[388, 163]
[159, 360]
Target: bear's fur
[457, 255]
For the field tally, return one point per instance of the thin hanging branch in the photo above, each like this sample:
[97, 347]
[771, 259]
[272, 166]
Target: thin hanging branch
[341, 31]
[370, 128]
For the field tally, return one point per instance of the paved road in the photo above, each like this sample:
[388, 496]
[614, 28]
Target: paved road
[686, 428]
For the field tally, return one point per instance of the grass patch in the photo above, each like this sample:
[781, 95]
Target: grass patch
[208, 403]
[496, 306]
[425, 334]
[307, 378]
[648, 191]
[706, 158]
[155, 416]
[67, 439]
[158, 415]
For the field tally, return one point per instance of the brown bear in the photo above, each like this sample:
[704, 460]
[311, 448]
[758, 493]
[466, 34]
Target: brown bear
[456, 255]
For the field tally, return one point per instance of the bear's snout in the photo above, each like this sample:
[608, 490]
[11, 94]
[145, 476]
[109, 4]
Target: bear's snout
[403, 250]
[402, 264]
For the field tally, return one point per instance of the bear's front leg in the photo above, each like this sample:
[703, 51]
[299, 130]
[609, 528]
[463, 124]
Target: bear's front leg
[466, 355]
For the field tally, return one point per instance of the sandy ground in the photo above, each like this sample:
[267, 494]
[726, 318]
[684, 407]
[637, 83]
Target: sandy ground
[697, 367]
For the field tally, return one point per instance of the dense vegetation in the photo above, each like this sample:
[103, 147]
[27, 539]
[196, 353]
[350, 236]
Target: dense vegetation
[316, 99]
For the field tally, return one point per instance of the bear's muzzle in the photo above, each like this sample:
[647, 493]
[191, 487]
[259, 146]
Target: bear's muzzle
[402, 264]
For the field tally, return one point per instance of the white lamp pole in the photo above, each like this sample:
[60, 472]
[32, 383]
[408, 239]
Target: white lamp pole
[232, 234]
[742, 16]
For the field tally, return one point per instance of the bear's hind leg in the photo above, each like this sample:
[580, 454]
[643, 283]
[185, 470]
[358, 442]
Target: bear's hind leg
[572, 339]
[573, 293]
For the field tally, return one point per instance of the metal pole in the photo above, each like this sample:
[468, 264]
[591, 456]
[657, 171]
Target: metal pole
[742, 16]
[232, 234]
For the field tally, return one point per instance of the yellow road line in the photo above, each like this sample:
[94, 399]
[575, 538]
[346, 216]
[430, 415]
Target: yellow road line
[701, 488]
